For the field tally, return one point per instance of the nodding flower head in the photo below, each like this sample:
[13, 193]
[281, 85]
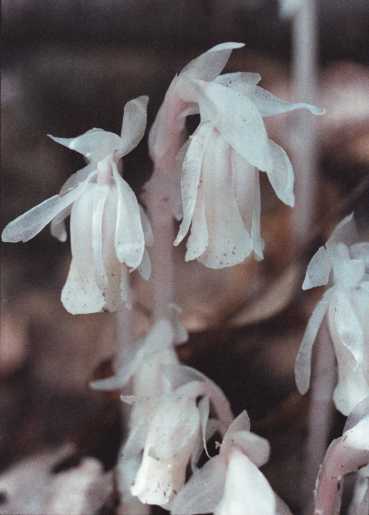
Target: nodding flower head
[219, 165]
[345, 264]
[109, 230]
[231, 482]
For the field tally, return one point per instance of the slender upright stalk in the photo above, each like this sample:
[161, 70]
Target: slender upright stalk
[160, 209]
[320, 416]
[304, 141]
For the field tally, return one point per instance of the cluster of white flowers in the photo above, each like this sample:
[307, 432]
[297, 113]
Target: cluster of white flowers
[346, 306]
[176, 409]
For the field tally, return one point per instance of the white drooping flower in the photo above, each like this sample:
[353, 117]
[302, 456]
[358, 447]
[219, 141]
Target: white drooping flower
[109, 230]
[231, 482]
[346, 306]
[168, 423]
[346, 454]
[220, 163]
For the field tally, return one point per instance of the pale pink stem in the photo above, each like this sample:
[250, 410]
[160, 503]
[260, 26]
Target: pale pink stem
[320, 416]
[160, 210]
[304, 141]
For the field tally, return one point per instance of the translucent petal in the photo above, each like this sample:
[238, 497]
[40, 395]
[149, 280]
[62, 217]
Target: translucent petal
[229, 242]
[246, 489]
[199, 237]
[243, 82]
[318, 270]
[246, 188]
[190, 177]
[76, 178]
[81, 293]
[29, 224]
[344, 232]
[129, 235]
[134, 124]
[57, 226]
[100, 194]
[256, 448]
[280, 174]
[211, 63]
[203, 492]
[242, 128]
[270, 105]
[94, 144]
[303, 358]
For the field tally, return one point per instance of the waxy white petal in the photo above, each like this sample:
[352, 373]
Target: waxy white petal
[280, 174]
[211, 63]
[190, 177]
[270, 105]
[242, 128]
[95, 144]
[303, 358]
[133, 124]
[29, 224]
[199, 235]
[204, 490]
[344, 232]
[229, 242]
[129, 235]
[256, 448]
[246, 489]
[145, 268]
[318, 270]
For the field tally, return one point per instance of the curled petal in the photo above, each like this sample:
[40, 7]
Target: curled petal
[203, 492]
[29, 224]
[211, 63]
[94, 144]
[270, 105]
[129, 235]
[190, 178]
[318, 270]
[303, 358]
[133, 125]
[280, 174]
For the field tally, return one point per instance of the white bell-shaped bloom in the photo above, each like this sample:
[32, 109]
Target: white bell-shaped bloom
[220, 163]
[346, 306]
[177, 433]
[231, 482]
[345, 455]
[109, 229]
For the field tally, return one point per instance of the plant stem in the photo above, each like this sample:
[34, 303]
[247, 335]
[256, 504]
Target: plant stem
[160, 209]
[320, 416]
[304, 148]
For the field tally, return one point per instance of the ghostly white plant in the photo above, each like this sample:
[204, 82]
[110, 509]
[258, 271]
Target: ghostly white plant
[171, 404]
[219, 164]
[108, 227]
[346, 304]
[231, 482]
[346, 454]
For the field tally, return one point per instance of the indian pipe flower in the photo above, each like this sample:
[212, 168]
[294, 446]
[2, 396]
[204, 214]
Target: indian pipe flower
[220, 163]
[346, 306]
[231, 482]
[109, 230]
[176, 433]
